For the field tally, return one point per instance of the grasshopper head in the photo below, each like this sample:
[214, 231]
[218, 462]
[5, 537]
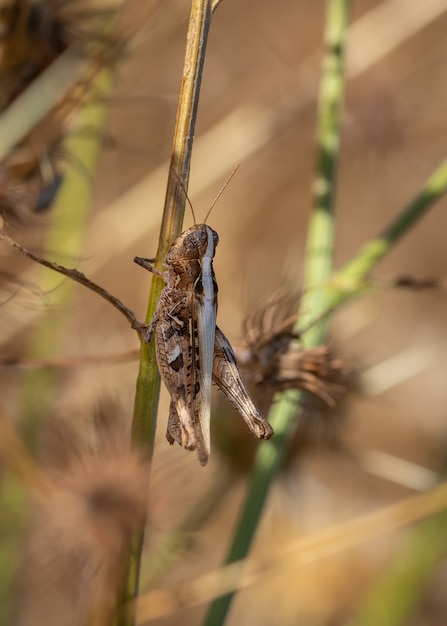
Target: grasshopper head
[195, 243]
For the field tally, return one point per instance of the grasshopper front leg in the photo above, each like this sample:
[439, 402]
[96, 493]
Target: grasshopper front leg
[147, 264]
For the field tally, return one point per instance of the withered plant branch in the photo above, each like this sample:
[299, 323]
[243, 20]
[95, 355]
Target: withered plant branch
[148, 381]
[411, 283]
[78, 277]
[366, 283]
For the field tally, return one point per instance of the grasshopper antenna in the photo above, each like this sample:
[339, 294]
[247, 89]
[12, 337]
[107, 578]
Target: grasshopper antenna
[221, 192]
[186, 195]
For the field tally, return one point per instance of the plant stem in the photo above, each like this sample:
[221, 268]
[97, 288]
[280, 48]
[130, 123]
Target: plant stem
[283, 414]
[350, 280]
[320, 237]
[148, 381]
[345, 284]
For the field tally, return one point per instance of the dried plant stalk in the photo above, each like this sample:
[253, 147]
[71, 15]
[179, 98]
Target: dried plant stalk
[148, 381]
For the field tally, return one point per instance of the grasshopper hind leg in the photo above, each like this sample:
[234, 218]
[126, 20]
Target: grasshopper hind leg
[183, 433]
[227, 377]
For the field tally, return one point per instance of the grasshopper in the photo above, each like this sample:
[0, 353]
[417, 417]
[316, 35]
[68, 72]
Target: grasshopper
[191, 350]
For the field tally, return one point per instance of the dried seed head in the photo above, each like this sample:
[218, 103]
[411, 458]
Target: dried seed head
[79, 530]
[273, 358]
[112, 485]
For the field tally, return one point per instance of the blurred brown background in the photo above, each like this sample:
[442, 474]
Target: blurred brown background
[258, 108]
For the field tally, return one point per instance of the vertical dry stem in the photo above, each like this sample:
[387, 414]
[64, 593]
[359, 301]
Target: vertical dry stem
[148, 382]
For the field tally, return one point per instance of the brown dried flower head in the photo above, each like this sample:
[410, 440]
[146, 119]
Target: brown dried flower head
[79, 531]
[273, 357]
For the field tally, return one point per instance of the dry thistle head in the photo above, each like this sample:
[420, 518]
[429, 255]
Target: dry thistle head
[271, 359]
[272, 356]
[79, 532]
[90, 498]
[110, 486]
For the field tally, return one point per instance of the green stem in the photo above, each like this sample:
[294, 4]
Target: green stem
[148, 381]
[283, 414]
[350, 280]
[346, 283]
[320, 237]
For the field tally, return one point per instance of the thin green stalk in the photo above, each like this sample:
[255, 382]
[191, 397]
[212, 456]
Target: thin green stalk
[346, 283]
[301, 552]
[350, 280]
[320, 236]
[148, 381]
[283, 415]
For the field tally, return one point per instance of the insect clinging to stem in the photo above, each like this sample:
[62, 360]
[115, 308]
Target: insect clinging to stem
[191, 350]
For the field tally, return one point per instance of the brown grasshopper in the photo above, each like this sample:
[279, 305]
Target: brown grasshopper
[191, 350]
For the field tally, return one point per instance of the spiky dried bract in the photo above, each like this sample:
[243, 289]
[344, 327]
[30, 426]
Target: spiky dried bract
[33, 35]
[80, 529]
[272, 356]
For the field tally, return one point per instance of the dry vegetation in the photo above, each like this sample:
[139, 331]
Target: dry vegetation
[59, 560]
